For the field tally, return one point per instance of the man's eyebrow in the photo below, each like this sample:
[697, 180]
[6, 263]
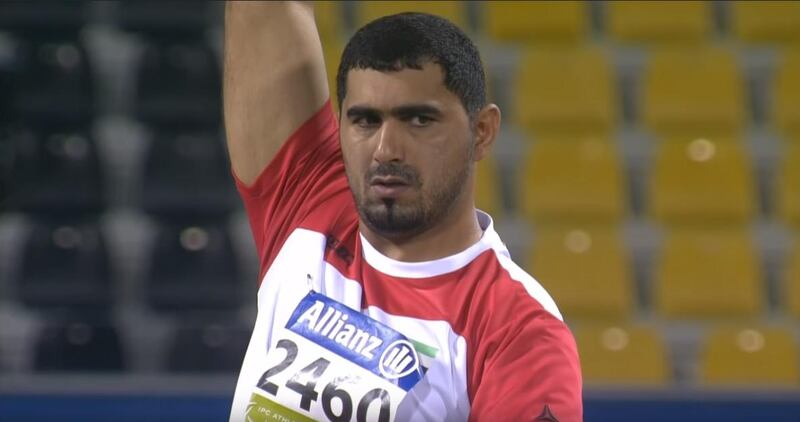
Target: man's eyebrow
[402, 111]
[360, 111]
[416, 109]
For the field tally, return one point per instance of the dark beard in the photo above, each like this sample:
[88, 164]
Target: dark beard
[394, 220]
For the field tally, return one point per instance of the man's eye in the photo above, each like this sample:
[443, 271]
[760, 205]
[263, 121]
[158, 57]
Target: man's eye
[420, 120]
[365, 121]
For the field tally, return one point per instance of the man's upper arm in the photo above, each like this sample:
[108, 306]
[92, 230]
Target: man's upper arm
[531, 374]
[274, 79]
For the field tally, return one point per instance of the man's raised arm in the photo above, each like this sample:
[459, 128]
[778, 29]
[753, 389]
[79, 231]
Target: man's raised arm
[274, 79]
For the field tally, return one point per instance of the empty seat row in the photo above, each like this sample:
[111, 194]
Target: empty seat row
[67, 265]
[54, 18]
[696, 274]
[698, 91]
[562, 22]
[57, 172]
[52, 82]
[78, 344]
[690, 181]
[733, 355]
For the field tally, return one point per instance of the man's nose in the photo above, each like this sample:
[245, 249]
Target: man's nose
[390, 142]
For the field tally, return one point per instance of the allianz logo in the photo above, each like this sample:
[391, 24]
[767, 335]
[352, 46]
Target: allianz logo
[398, 360]
[332, 323]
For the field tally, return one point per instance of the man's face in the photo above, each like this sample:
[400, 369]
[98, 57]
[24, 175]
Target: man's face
[407, 147]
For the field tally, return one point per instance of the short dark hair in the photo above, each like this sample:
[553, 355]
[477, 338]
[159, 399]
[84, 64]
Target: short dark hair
[409, 40]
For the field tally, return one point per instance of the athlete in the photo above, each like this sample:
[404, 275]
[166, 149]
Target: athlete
[384, 294]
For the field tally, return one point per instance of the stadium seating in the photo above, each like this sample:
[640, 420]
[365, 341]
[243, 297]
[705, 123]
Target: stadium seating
[791, 281]
[329, 17]
[708, 274]
[663, 22]
[788, 185]
[628, 355]
[749, 356]
[586, 270]
[207, 347]
[368, 11]
[699, 91]
[766, 21]
[555, 94]
[43, 19]
[193, 268]
[65, 266]
[702, 181]
[55, 172]
[332, 50]
[786, 96]
[535, 22]
[187, 175]
[165, 18]
[572, 179]
[74, 345]
[178, 84]
[51, 83]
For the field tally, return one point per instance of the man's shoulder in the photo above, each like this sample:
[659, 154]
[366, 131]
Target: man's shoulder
[507, 286]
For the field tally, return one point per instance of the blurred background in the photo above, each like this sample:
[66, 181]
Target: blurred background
[647, 174]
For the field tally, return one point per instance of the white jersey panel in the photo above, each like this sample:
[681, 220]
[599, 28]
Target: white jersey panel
[300, 267]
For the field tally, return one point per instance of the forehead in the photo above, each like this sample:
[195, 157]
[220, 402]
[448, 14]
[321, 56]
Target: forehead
[388, 89]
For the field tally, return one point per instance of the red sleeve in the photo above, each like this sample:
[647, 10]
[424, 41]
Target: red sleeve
[532, 373]
[306, 173]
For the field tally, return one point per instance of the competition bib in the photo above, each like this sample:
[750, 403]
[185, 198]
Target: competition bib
[332, 363]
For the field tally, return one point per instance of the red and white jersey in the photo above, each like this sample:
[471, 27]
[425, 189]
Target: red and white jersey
[490, 339]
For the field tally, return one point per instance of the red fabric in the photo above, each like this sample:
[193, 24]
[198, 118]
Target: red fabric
[303, 186]
[522, 361]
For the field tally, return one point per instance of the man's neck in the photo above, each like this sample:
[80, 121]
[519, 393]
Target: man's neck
[457, 232]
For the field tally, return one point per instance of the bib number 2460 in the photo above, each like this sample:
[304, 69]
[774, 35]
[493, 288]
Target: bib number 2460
[304, 382]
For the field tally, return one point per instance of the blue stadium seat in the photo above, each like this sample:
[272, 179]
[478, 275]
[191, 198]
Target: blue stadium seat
[55, 172]
[208, 347]
[193, 270]
[75, 344]
[187, 174]
[179, 85]
[65, 266]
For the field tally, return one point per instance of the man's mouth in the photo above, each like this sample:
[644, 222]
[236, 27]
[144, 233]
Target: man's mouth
[388, 186]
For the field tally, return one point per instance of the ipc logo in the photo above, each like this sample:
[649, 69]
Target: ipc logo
[398, 360]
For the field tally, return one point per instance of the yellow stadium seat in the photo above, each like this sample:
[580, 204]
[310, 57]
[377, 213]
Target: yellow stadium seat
[572, 180]
[695, 90]
[554, 92]
[708, 274]
[786, 95]
[659, 21]
[748, 356]
[329, 17]
[791, 278]
[488, 189]
[332, 53]
[788, 185]
[454, 11]
[586, 270]
[766, 21]
[535, 21]
[627, 355]
[705, 181]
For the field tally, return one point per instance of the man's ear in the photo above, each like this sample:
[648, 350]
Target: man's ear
[486, 129]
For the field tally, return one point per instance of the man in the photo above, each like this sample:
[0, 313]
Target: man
[392, 298]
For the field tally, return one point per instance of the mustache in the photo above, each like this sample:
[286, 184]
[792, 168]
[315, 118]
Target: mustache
[393, 169]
